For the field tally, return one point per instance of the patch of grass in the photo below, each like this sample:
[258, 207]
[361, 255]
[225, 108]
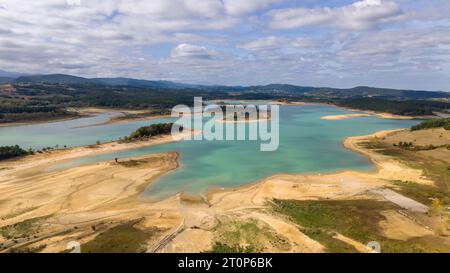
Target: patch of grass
[421, 193]
[219, 247]
[353, 219]
[356, 219]
[327, 239]
[434, 169]
[412, 147]
[131, 163]
[23, 229]
[250, 236]
[379, 147]
[124, 238]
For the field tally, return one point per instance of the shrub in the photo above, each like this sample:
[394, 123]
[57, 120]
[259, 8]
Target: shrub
[7, 152]
[152, 130]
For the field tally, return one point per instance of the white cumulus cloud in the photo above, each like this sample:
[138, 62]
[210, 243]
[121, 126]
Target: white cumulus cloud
[237, 7]
[192, 52]
[359, 15]
[277, 42]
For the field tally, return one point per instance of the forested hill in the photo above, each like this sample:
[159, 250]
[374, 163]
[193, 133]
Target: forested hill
[69, 79]
[403, 107]
[356, 92]
[273, 89]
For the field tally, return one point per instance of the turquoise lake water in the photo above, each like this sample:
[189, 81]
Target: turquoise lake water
[71, 133]
[307, 144]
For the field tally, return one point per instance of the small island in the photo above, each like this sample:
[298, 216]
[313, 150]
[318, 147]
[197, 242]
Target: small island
[242, 115]
[153, 130]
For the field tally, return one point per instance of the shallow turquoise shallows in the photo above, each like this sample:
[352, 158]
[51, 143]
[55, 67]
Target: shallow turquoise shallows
[307, 144]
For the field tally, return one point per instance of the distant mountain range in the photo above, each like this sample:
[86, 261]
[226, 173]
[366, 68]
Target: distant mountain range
[5, 80]
[361, 91]
[7, 77]
[69, 79]
[7, 74]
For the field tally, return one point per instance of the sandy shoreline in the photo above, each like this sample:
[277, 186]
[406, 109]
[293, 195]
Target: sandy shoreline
[341, 117]
[92, 111]
[81, 113]
[118, 120]
[13, 124]
[37, 194]
[362, 113]
[367, 114]
[107, 194]
[122, 117]
[48, 159]
[80, 197]
[387, 167]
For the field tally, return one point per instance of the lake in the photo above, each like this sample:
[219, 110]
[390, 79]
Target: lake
[308, 144]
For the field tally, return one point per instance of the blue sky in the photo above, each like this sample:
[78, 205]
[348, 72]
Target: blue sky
[383, 43]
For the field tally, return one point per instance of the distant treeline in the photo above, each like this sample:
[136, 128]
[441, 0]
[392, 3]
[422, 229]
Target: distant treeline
[7, 152]
[433, 123]
[28, 109]
[29, 114]
[82, 95]
[152, 130]
[33, 101]
[405, 108]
